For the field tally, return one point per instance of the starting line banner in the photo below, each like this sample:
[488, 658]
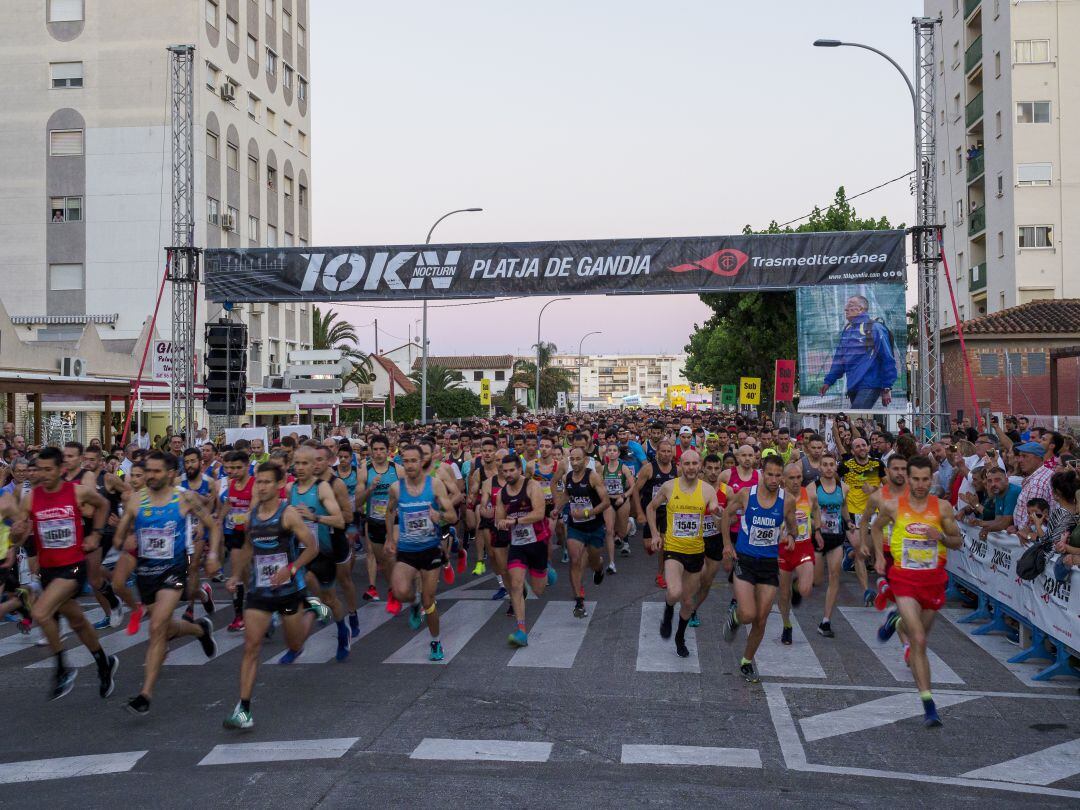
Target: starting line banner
[700, 264]
[990, 566]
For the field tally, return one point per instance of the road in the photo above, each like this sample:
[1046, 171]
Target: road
[596, 712]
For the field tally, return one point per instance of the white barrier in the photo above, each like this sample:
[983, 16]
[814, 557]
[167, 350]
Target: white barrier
[990, 566]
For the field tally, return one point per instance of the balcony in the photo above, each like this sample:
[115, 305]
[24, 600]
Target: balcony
[977, 278]
[974, 110]
[970, 6]
[973, 55]
[975, 167]
[977, 221]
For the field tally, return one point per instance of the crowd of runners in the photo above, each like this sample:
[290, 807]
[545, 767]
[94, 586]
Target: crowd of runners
[302, 532]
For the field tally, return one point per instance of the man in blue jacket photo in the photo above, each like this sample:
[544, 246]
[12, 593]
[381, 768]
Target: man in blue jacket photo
[865, 355]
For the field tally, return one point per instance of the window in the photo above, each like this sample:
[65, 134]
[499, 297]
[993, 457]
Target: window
[286, 77]
[959, 211]
[1001, 243]
[234, 216]
[232, 30]
[65, 277]
[232, 157]
[271, 63]
[271, 178]
[988, 364]
[211, 145]
[961, 313]
[286, 22]
[301, 36]
[1013, 362]
[303, 242]
[302, 197]
[212, 208]
[1000, 184]
[212, 74]
[500, 375]
[1026, 51]
[997, 124]
[959, 160]
[477, 376]
[1036, 362]
[943, 168]
[66, 74]
[252, 48]
[253, 229]
[65, 142]
[271, 120]
[271, 236]
[1034, 174]
[253, 169]
[956, 106]
[288, 240]
[253, 107]
[271, 9]
[1035, 236]
[65, 10]
[288, 188]
[956, 53]
[301, 88]
[997, 64]
[1033, 112]
[65, 209]
[301, 140]
[286, 131]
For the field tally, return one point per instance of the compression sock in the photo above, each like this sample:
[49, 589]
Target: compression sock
[245, 704]
[106, 590]
[787, 624]
[100, 659]
[680, 633]
[342, 629]
[238, 601]
[60, 664]
[669, 612]
[925, 696]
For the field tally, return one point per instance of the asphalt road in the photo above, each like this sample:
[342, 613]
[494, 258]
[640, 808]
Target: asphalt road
[597, 713]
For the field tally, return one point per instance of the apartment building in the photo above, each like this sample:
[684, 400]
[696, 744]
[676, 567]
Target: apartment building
[85, 153]
[1008, 149]
[610, 377]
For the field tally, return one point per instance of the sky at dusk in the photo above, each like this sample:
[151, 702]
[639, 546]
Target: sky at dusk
[591, 120]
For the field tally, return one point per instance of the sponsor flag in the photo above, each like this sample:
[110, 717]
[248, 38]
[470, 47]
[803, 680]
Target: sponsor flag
[750, 390]
[785, 381]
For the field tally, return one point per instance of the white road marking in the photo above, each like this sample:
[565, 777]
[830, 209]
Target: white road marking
[112, 643]
[865, 622]
[17, 642]
[191, 654]
[777, 660]
[690, 755]
[468, 590]
[999, 649]
[1039, 768]
[457, 625]
[872, 714]
[37, 770]
[656, 655]
[555, 639]
[482, 750]
[278, 751]
[321, 646]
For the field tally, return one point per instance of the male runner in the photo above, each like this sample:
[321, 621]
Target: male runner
[196, 481]
[484, 470]
[710, 534]
[863, 475]
[235, 500]
[799, 561]
[373, 498]
[765, 511]
[811, 459]
[450, 475]
[418, 504]
[347, 472]
[341, 549]
[162, 544]
[923, 526]
[587, 498]
[653, 475]
[688, 500]
[893, 487]
[831, 496]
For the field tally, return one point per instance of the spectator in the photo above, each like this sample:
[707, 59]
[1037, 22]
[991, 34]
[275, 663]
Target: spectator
[1065, 514]
[986, 453]
[1001, 503]
[1029, 459]
[974, 503]
[1039, 526]
[1025, 432]
[143, 439]
[1052, 442]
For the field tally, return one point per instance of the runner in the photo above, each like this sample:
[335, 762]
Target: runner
[341, 549]
[196, 481]
[710, 532]
[418, 504]
[485, 469]
[923, 527]
[863, 475]
[586, 497]
[373, 498]
[653, 475]
[235, 500]
[832, 506]
[521, 511]
[893, 487]
[798, 561]
[755, 555]
[497, 541]
[157, 529]
[619, 482]
[688, 500]
[282, 545]
[811, 459]
[450, 475]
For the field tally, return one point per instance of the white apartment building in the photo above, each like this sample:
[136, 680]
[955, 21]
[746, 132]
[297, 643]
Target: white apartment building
[474, 368]
[85, 158]
[1008, 148]
[610, 377]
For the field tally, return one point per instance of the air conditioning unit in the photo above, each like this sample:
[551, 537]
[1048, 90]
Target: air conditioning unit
[274, 369]
[228, 221]
[257, 309]
[72, 367]
[228, 91]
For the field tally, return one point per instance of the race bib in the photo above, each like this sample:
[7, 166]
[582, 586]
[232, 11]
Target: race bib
[546, 489]
[685, 524]
[378, 507]
[418, 524]
[581, 503]
[614, 486]
[57, 533]
[522, 535]
[155, 543]
[918, 552]
[830, 522]
[709, 527]
[802, 523]
[764, 535]
[236, 520]
[266, 565]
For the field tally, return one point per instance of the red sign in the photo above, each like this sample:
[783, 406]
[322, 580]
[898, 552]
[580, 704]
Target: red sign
[785, 381]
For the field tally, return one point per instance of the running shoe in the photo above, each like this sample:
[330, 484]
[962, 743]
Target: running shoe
[344, 644]
[218, 577]
[796, 597]
[135, 619]
[102, 623]
[322, 612]
[393, 606]
[290, 655]
[930, 715]
[825, 629]
[116, 616]
[239, 720]
[731, 624]
[579, 609]
[354, 625]
[189, 615]
[681, 649]
[236, 625]
[416, 618]
[510, 607]
[552, 576]
[24, 626]
[371, 594]
[207, 598]
[519, 638]
[138, 706]
[64, 682]
[611, 568]
[694, 620]
[749, 672]
[785, 636]
[631, 530]
[884, 594]
[665, 623]
[661, 583]
[499, 594]
[565, 556]
[448, 574]
[462, 561]
[885, 632]
[868, 597]
[598, 575]
[849, 559]
[209, 646]
[107, 678]
[436, 653]
[479, 569]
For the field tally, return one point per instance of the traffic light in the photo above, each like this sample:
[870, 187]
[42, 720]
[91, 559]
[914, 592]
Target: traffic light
[226, 369]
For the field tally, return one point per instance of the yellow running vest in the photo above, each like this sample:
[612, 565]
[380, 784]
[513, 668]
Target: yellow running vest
[685, 520]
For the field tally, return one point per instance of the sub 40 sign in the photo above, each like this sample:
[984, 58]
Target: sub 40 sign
[750, 390]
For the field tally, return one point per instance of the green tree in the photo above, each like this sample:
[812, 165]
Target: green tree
[748, 332]
[446, 403]
[328, 332]
[439, 378]
[553, 379]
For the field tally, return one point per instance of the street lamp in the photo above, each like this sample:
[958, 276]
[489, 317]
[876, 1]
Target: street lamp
[579, 365]
[538, 317]
[424, 347]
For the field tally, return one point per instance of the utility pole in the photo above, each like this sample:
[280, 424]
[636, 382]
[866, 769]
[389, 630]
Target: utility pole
[376, 336]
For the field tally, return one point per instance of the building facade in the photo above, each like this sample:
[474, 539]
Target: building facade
[607, 378]
[86, 158]
[1008, 83]
[498, 368]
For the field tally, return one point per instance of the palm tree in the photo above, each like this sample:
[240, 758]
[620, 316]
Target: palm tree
[439, 378]
[552, 378]
[328, 332]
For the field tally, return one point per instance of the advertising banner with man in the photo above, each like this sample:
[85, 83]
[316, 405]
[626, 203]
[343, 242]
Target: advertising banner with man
[852, 348]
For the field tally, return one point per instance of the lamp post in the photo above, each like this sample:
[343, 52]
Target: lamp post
[579, 365]
[538, 317]
[424, 347]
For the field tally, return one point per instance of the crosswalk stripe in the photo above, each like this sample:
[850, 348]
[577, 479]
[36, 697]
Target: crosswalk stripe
[555, 639]
[36, 770]
[17, 642]
[872, 714]
[112, 643]
[782, 661]
[469, 591]
[690, 755]
[482, 750]
[278, 751]
[321, 646]
[656, 655]
[1040, 768]
[999, 648]
[865, 622]
[459, 624]
[191, 654]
